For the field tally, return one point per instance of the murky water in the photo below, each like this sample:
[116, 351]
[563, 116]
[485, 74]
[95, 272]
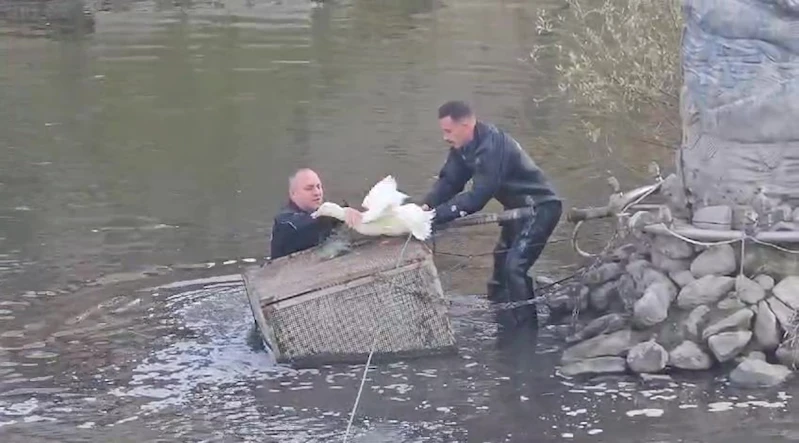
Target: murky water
[142, 166]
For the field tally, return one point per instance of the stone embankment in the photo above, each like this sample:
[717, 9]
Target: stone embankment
[661, 302]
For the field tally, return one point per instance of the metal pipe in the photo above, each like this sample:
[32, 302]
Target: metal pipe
[711, 235]
[485, 218]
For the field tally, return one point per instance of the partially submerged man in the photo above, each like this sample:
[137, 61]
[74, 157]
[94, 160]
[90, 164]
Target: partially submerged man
[500, 169]
[294, 229]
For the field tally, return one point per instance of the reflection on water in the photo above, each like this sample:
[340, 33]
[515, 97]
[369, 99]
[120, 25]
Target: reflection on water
[142, 166]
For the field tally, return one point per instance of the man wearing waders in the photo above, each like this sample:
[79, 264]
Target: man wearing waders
[501, 169]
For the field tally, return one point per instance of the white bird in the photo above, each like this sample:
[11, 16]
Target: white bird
[386, 215]
[381, 197]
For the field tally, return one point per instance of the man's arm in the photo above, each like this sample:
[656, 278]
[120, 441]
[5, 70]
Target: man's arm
[489, 162]
[452, 179]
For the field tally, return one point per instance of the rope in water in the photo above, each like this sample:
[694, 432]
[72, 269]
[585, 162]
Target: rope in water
[371, 353]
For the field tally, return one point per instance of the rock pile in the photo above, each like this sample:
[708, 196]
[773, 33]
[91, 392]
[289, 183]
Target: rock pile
[661, 302]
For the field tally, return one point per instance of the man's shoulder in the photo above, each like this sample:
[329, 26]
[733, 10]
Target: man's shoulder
[492, 137]
[286, 212]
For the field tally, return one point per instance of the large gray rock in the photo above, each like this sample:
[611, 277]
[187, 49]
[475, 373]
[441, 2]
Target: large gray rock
[682, 278]
[647, 357]
[765, 259]
[783, 313]
[695, 320]
[667, 264]
[616, 343]
[636, 270]
[628, 292]
[756, 373]
[598, 365]
[644, 275]
[788, 353]
[653, 307]
[715, 260]
[726, 345]
[565, 300]
[767, 331]
[749, 291]
[741, 319]
[731, 303]
[765, 281]
[603, 273]
[708, 289]
[688, 355]
[623, 252]
[672, 247]
[601, 297]
[602, 325]
[787, 290]
[713, 217]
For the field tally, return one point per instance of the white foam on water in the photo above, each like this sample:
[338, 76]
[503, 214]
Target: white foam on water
[125, 420]
[645, 412]
[20, 409]
[720, 406]
[401, 388]
[221, 356]
[37, 419]
[199, 281]
[765, 404]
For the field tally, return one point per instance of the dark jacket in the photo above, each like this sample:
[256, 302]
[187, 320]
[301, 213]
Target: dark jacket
[499, 168]
[295, 230]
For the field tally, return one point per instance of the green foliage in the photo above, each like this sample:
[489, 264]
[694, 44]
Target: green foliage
[619, 64]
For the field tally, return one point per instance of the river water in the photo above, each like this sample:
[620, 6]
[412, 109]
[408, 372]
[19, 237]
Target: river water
[141, 167]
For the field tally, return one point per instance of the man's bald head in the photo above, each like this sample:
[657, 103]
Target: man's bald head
[305, 189]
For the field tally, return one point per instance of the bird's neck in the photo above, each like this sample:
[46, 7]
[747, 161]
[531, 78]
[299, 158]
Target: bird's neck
[336, 211]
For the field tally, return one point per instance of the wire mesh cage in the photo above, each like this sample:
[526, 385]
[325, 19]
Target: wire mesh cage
[381, 295]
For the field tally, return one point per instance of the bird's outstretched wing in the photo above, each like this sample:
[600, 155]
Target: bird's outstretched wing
[382, 196]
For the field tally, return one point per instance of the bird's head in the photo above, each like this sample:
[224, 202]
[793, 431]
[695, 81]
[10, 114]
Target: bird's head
[329, 209]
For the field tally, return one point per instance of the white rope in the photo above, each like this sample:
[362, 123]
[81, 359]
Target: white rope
[701, 243]
[777, 247]
[371, 352]
[743, 254]
[743, 239]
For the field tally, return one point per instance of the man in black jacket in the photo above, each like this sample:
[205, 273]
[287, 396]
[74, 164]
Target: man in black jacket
[501, 169]
[294, 229]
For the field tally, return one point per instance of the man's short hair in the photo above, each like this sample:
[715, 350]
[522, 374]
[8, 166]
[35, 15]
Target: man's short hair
[454, 109]
[296, 173]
